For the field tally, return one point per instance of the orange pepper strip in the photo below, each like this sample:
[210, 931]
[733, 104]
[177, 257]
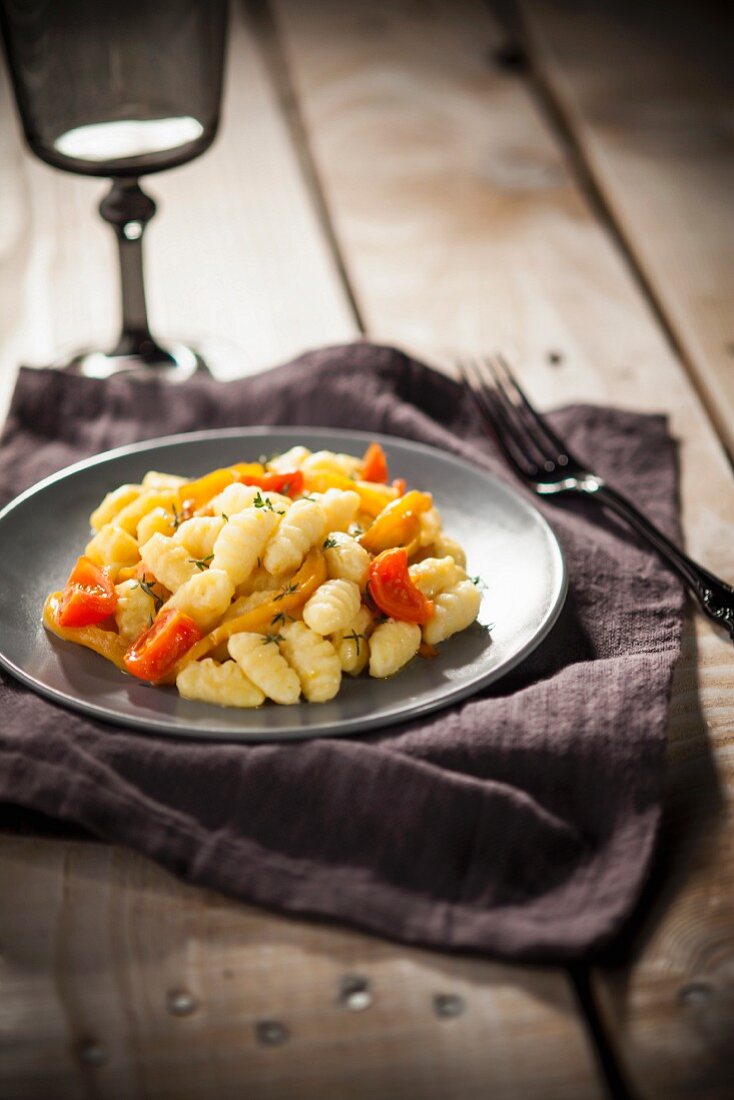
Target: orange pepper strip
[196, 494]
[308, 578]
[105, 642]
[373, 497]
[398, 524]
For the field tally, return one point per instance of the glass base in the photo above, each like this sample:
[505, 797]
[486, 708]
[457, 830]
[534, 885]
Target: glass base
[170, 362]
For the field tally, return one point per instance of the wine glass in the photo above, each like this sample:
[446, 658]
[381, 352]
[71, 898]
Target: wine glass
[120, 88]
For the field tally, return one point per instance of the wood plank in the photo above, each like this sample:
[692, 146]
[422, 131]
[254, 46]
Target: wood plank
[93, 939]
[649, 96]
[464, 229]
[236, 258]
[658, 159]
[119, 980]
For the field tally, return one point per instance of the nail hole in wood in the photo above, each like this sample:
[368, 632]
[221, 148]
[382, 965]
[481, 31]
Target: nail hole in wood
[697, 993]
[448, 1006]
[355, 993]
[271, 1033]
[181, 1003]
[92, 1052]
[509, 56]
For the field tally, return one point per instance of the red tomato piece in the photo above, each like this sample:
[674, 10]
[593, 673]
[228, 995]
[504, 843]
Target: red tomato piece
[374, 464]
[400, 485]
[88, 598]
[392, 590]
[288, 483]
[158, 649]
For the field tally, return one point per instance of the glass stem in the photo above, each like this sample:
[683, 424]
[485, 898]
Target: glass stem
[128, 210]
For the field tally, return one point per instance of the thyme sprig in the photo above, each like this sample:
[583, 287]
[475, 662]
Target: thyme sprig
[201, 563]
[265, 502]
[287, 591]
[356, 638]
[282, 617]
[273, 638]
[147, 587]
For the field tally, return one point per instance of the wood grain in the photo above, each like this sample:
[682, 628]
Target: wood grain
[103, 945]
[649, 96]
[463, 229]
[94, 939]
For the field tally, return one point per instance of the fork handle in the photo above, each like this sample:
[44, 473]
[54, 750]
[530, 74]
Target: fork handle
[714, 595]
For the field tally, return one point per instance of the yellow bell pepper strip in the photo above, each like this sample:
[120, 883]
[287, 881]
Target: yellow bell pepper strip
[105, 642]
[195, 495]
[373, 497]
[291, 598]
[398, 524]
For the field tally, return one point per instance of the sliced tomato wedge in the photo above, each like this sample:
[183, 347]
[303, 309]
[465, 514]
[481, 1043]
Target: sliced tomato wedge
[374, 464]
[88, 598]
[393, 592]
[158, 649]
[288, 483]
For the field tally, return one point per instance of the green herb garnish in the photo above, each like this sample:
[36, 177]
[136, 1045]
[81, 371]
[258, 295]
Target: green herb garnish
[330, 543]
[273, 638]
[201, 563]
[147, 587]
[281, 617]
[265, 502]
[356, 638]
[289, 588]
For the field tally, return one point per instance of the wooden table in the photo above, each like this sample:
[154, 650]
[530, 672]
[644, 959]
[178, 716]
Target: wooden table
[556, 179]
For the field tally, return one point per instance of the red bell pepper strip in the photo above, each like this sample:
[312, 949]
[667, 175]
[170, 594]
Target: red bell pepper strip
[288, 483]
[393, 592]
[88, 598]
[158, 649]
[374, 464]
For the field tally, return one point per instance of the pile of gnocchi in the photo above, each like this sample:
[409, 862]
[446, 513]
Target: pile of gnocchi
[266, 580]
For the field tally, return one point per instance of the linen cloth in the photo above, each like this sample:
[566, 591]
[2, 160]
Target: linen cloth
[520, 822]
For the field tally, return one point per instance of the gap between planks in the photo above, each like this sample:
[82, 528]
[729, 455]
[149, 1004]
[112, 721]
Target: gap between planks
[560, 121]
[266, 35]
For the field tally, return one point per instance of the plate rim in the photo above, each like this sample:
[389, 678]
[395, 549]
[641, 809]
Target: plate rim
[351, 726]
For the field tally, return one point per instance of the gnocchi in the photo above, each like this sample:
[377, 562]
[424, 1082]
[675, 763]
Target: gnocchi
[262, 583]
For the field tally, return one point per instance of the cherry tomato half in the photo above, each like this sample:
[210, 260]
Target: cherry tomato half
[393, 592]
[158, 649]
[89, 596]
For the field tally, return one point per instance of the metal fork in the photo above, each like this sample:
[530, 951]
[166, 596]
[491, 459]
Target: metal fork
[542, 459]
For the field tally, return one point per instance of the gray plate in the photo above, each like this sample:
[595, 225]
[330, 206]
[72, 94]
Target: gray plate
[507, 541]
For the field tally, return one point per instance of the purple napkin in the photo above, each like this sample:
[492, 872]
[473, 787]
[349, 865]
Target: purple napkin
[521, 822]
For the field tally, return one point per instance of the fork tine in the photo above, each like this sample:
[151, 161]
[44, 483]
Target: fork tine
[534, 447]
[494, 415]
[554, 440]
